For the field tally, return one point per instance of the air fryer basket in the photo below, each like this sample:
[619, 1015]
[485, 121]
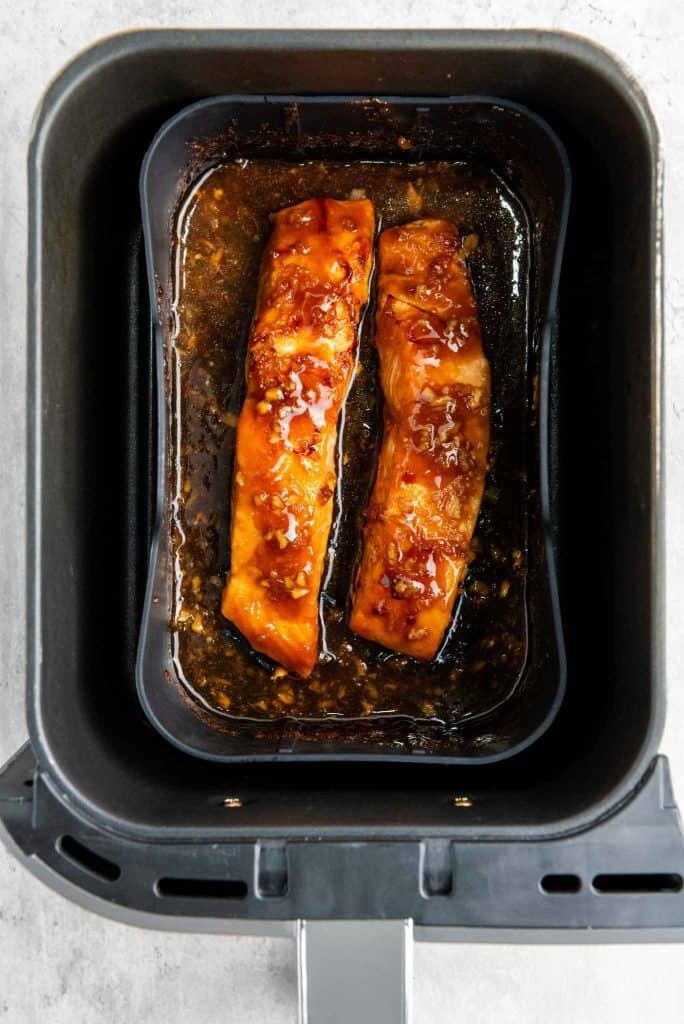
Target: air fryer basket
[114, 808]
[488, 132]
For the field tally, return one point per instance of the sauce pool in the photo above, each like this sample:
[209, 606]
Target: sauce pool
[221, 228]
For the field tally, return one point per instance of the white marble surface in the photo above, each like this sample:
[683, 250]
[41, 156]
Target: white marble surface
[59, 963]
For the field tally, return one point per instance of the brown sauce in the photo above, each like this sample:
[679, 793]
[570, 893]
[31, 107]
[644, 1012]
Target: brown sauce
[221, 228]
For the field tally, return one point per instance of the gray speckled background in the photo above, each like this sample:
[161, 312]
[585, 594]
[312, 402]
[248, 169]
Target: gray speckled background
[58, 963]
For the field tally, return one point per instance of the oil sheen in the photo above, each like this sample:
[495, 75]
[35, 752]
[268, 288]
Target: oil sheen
[220, 230]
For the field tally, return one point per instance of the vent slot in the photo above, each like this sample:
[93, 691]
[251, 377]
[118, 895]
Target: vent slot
[664, 882]
[202, 888]
[83, 857]
[561, 885]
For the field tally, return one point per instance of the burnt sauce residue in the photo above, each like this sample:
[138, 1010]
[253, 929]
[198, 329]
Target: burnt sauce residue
[221, 228]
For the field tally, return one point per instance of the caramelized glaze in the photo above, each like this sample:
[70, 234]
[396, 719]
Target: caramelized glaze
[432, 466]
[313, 287]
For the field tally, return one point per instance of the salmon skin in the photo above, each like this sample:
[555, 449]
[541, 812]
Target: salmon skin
[433, 461]
[313, 286]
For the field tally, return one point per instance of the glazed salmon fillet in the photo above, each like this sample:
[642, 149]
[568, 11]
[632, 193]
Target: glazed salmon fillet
[433, 461]
[313, 286]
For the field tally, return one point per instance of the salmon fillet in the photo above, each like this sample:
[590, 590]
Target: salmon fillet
[433, 461]
[313, 286]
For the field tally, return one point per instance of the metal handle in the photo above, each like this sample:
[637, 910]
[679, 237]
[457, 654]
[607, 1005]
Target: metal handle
[355, 971]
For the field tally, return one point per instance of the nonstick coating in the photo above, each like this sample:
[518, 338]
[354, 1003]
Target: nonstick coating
[92, 442]
[527, 158]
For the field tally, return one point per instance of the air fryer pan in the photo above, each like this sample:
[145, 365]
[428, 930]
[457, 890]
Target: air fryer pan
[577, 837]
[527, 155]
[92, 480]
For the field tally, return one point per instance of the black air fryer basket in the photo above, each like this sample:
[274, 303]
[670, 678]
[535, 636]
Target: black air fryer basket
[576, 835]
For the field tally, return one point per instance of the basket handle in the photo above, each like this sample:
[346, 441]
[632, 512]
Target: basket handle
[355, 972]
